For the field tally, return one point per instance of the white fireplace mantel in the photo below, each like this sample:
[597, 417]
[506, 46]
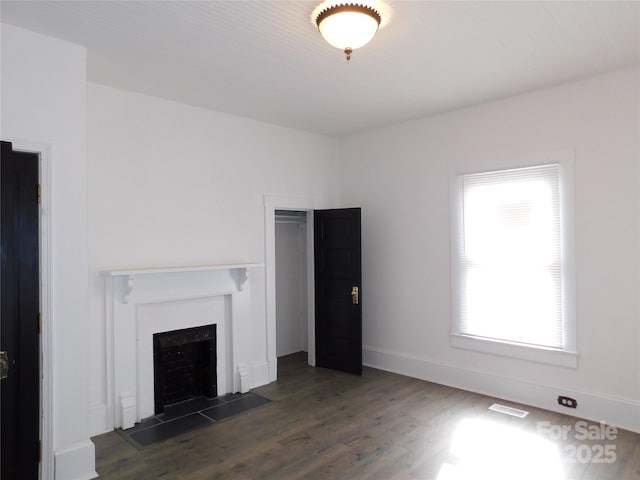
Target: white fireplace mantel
[239, 271]
[145, 301]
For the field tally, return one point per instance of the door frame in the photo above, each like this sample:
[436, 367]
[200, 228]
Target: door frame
[300, 204]
[44, 152]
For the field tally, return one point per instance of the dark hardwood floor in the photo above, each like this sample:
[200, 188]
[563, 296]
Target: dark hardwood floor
[323, 424]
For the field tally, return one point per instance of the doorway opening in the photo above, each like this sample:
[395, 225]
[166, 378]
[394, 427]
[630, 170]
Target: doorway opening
[291, 282]
[302, 208]
[335, 294]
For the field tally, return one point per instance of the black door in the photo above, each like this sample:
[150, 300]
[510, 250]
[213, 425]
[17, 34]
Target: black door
[19, 310]
[338, 297]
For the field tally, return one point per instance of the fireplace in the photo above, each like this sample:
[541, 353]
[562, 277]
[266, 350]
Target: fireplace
[184, 365]
[145, 302]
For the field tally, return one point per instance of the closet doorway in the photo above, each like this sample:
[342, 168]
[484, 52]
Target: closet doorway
[292, 302]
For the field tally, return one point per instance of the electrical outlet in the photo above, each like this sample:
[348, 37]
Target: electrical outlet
[567, 402]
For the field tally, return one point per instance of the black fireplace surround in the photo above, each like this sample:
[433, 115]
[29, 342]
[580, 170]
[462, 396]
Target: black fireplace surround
[184, 365]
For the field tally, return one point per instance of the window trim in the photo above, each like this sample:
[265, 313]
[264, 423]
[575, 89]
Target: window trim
[567, 356]
[532, 353]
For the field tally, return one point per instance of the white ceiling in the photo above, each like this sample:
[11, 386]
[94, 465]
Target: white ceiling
[266, 60]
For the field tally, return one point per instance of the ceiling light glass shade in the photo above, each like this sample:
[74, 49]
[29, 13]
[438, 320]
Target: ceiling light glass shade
[348, 27]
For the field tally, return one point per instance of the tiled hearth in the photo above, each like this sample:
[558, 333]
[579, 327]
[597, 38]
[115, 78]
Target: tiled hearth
[189, 415]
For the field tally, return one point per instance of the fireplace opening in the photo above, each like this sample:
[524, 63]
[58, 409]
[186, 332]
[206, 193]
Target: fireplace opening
[184, 365]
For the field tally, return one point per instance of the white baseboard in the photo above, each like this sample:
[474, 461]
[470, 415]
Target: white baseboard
[98, 420]
[620, 412]
[260, 374]
[76, 462]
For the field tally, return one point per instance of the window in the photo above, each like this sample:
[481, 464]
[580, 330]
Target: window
[510, 271]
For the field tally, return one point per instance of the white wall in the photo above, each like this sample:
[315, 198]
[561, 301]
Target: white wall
[400, 177]
[171, 184]
[44, 104]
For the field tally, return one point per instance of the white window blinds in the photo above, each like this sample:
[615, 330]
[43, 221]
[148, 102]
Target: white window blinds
[509, 265]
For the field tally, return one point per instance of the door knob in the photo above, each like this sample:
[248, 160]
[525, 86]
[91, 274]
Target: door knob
[4, 365]
[354, 295]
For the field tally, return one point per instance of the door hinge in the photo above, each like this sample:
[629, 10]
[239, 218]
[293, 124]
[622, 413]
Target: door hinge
[4, 365]
[39, 322]
[39, 193]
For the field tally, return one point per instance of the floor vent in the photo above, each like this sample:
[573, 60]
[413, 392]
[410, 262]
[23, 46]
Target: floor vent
[496, 407]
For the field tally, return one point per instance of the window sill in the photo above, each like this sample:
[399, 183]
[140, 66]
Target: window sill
[551, 356]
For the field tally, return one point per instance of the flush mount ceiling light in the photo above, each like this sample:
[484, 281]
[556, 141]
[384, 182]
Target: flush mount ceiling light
[348, 26]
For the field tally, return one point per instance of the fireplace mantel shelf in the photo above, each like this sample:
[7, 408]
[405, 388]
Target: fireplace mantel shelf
[239, 271]
[192, 268]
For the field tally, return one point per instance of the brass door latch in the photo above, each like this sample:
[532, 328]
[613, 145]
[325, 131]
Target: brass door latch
[355, 295]
[4, 365]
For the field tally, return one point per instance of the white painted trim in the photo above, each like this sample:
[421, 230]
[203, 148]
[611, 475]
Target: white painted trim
[239, 272]
[46, 343]
[531, 353]
[76, 462]
[596, 406]
[109, 289]
[260, 374]
[567, 159]
[311, 292]
[98, 419]
[271, 204]
[567, 356]
[190, 268]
